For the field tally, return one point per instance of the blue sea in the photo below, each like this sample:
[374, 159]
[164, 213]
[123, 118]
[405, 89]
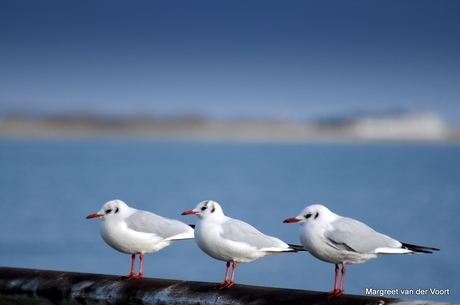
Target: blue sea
[408, 191]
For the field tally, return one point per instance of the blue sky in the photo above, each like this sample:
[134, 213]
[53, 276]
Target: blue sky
[299, 60]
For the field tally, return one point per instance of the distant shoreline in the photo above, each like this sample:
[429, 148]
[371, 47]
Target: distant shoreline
[204, 130]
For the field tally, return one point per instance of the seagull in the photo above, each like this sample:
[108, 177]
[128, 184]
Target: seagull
[341, 240]
[134, 232]
[231, 240]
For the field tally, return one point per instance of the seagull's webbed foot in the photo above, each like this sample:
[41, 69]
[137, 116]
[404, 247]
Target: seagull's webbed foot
[129, 277]
[225, 285]
[333, 294]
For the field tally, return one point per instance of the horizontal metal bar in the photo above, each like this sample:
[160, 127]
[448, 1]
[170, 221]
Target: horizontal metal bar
[42, 287]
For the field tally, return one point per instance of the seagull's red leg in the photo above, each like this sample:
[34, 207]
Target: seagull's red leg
[342, 280]
[141, 268]
[233, 274]
[337, 291]
[227, 269]
[336, 279]
[226, 282]
[229, 283]
[132, 274]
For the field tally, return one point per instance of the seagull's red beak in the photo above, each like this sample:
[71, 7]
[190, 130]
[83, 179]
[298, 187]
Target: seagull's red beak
[289, 220]
[189, 212]
[93, 216]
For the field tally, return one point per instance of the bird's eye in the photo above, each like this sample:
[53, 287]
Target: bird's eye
[108, 211]
[316, 216]
[213, 209]
[116, 210]
[204, 208]
[308, 215]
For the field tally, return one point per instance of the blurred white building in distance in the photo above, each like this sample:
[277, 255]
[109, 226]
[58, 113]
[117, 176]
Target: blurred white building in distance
[400, 126]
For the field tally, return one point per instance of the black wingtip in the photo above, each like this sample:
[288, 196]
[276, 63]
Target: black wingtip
[419, 249]
[193, 226]
[297, 248]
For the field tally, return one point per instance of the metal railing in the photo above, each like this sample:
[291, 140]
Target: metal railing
[42, 287]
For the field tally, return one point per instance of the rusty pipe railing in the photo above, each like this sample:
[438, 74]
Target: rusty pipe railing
[43, 287]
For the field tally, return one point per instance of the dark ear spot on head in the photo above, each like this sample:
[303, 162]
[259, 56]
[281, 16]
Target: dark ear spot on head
[317, 214]
[116, 210]
[213, 210]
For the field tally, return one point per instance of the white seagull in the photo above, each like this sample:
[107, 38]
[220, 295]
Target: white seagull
[231, 240]
[134, 232]
[341, 240]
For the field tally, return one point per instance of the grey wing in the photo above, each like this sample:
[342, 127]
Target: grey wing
[147, 222]
[240, 231]
[353, 235]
